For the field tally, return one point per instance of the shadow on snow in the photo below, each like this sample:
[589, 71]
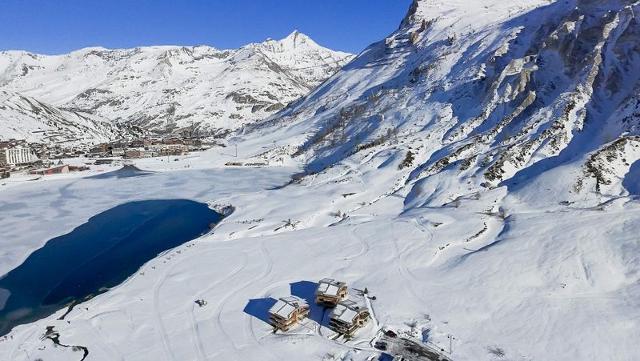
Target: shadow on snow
[307, 291]
[259, 308]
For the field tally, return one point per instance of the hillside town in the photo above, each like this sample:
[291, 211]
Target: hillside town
[45, 159]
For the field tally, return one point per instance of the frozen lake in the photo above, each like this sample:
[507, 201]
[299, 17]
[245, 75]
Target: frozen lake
[97, 255]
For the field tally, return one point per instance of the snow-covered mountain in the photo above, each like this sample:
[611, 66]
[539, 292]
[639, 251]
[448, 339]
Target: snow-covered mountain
[477, 172]
[486, 95]
[166, 88]
[23, 117]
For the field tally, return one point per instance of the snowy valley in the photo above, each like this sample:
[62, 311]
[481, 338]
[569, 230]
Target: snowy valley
[476, 172]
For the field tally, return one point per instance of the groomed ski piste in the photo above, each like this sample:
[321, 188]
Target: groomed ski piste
[529, 267]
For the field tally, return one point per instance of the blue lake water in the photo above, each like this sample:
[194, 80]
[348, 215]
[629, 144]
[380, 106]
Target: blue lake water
[98, 255]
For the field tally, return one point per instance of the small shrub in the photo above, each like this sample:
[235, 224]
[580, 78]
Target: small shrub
[496, 351]
[408, 160]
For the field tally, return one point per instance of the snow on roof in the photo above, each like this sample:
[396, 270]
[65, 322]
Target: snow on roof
[286, 305]
[346, 310]
[329, 286]
[331, 290]
[348, 315]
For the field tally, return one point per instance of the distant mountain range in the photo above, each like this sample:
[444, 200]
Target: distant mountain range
[97, 94]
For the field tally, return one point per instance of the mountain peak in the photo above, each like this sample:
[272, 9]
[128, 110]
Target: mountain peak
[296, 36]
[297, 42]
[296, 39]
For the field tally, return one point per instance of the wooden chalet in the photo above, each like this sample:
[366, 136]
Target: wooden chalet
[348, 316]
[287, 312]
[330, 292]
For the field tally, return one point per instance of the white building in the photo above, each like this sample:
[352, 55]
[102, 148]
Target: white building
[16, 156]
[117, 152]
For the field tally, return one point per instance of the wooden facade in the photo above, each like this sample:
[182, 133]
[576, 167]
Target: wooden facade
[348, 317]
[330, 292]
[287, 312]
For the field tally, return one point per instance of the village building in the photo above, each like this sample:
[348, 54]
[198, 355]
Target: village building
[348, 316]
[172, 140]
[14, 156]
[196, 143]
[287, 312]
[60, 169]
[103, 161]
[138, 153]
[53, 170]
[117, 152]
[140, 143]
[100, 149]
[170, 149]
[330, 292]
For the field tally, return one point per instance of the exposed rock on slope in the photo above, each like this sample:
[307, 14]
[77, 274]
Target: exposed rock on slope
[26, 118]
[490, 94]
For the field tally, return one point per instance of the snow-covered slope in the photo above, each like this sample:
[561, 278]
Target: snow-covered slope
[477, 171]
[165, 88]
[484, 94]
[26, 118]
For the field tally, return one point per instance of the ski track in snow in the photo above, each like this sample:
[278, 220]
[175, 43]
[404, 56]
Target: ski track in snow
[401, 266]
[19, 345]
[162, 332]
[268, 263]
[191, 306]
[107, 348]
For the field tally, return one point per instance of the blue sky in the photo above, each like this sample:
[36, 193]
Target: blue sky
[59, 26]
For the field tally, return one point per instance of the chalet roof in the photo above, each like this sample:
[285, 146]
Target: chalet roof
[347, 310]
[329, 286]
[287, 305]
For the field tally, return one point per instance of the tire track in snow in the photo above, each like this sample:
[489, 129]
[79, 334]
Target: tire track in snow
[168, 352]
[250, 326]
[418, 222]
[164, 337]
[106, 346]
[267, 271]
[106, 341]
[364, 249]
[195, 332]
[21, 343]
[401, 265]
